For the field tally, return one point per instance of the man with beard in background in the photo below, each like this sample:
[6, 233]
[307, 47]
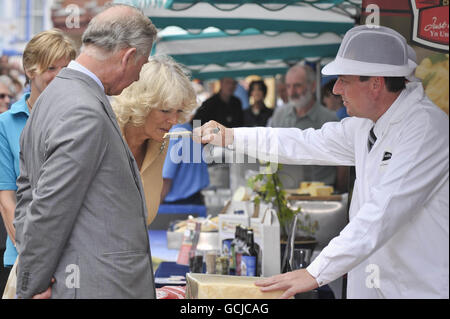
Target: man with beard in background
[304, 111]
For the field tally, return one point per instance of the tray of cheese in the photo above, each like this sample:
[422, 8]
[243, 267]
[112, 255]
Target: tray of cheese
[208, 286]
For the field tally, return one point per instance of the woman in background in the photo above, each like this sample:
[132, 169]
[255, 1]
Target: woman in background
[258, 113]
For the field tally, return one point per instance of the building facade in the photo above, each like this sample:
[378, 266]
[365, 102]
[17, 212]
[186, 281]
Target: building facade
[20, 20]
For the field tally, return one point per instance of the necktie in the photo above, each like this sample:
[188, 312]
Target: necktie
[371, 140]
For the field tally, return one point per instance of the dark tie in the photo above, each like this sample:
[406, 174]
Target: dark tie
[371, 140]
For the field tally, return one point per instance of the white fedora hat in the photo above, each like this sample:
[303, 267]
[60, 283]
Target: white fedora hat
[375, 51]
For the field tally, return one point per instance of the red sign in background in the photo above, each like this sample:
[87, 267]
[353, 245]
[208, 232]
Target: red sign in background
[433, 24]
[431, 19]
[420, 4]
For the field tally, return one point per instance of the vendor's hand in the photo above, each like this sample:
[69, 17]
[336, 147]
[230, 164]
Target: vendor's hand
[292, 283]
[213, 133]
[46, 294]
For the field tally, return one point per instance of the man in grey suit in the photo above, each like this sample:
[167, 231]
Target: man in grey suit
[81, 217]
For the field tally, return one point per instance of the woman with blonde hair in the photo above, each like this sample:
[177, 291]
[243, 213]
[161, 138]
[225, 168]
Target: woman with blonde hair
[44, 56]
[146, 111]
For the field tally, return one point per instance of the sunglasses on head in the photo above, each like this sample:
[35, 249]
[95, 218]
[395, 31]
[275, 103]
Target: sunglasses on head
[3, 95]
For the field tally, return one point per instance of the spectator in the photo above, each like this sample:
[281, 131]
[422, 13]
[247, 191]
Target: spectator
[222, 107]
[303, 111]
[9, 68]
[185, 175]
[332, 101]
[80, 201]
[282, 95]
[5, 97]
[146, 111]
[241, 93]
[258, 113]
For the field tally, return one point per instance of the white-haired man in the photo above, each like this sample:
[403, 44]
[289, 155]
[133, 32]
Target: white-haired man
[81, 216]
[396, 243]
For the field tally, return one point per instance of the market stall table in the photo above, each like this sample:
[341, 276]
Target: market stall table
[169, 273]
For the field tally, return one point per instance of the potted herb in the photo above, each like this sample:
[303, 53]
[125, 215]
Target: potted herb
[269, 188]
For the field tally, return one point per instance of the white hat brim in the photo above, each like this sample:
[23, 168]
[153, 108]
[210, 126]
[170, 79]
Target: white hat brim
[342, 66]
[411, 77]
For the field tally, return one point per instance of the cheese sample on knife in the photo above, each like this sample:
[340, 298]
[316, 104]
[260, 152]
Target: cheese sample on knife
[205, 286]
[177, 134]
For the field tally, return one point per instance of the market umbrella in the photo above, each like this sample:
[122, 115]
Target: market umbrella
[249, 39]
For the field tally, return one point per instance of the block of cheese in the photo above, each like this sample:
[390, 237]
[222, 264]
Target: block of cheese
[324, 190]
[315, 189]
[206, 286]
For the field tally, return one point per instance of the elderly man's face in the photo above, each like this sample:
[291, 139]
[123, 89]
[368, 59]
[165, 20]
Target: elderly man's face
[5, 98]
[228, 86]
[300, 92]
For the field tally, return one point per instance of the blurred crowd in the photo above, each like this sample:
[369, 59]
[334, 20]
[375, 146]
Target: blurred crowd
[12, 79]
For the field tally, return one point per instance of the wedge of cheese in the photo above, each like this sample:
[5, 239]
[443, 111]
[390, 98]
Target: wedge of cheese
[206, 286]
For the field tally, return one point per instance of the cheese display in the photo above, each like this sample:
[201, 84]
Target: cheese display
[208, 224]
[323, 190]
[315, 189]
[206, 286]
[433, 71]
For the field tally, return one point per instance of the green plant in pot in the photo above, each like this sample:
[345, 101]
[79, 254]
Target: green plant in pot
[268, 187]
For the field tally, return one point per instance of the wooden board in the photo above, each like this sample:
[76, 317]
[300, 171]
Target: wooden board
[293, 195]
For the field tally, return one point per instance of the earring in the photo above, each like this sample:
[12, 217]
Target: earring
[163, 145]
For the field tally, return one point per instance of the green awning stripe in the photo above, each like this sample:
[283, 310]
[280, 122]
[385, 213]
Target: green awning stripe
[238, 73]
[259, 24]
[172, 4]
[257, 55]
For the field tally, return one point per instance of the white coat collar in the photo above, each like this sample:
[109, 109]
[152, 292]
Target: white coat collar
[398, 109]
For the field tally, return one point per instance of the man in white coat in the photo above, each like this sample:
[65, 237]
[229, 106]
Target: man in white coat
[396, 244]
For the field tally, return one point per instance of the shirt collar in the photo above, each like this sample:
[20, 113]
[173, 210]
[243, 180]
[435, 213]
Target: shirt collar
[21, 105]
[312, 113]
[395, 113]
[74, 65]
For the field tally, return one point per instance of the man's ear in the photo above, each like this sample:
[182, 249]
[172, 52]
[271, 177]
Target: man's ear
[129, 56]
[377, 83]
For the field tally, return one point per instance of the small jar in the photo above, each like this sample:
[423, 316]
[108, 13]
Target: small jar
[222, 265]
